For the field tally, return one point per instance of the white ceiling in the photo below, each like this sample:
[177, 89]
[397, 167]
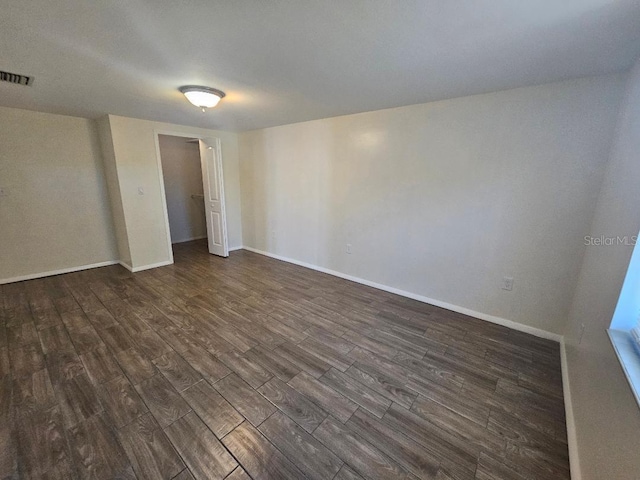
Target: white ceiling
[284, 61]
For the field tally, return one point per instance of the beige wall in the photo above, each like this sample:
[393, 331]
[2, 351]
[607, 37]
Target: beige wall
[182, 172]
[442, 199]
[55, 213]
[135, 157]
[606, 415]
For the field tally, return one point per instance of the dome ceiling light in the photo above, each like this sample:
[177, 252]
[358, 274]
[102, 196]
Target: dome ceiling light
[202, 97]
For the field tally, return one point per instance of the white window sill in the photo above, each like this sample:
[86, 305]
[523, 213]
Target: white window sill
[629, 358]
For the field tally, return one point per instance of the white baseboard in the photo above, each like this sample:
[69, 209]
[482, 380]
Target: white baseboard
[126, 265]
[85, 267]
[233, 249]
[151, 265]
[189, 239]
[31, 276]
[455, 308]
[572, 439]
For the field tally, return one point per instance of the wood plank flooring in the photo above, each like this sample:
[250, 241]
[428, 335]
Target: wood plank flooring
[248, 367]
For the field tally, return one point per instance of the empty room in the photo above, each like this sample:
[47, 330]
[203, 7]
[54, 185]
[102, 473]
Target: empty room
[353, 240]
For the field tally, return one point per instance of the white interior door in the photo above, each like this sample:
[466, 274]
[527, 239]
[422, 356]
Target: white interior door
[211, 160]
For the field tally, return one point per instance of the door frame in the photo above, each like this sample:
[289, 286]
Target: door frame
[185, 134]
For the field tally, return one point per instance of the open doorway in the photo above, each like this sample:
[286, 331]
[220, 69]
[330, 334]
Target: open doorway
[193, 190]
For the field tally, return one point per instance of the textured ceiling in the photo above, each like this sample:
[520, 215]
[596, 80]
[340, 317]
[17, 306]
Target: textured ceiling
[284, 61]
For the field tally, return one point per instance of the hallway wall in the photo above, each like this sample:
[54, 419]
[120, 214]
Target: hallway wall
[182, 174]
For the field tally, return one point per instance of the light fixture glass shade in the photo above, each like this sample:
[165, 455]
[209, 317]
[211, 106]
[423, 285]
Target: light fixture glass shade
[202, 97]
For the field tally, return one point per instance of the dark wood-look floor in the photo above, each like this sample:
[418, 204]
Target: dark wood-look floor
[248, 367]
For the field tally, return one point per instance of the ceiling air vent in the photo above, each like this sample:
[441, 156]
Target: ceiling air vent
[15, 78]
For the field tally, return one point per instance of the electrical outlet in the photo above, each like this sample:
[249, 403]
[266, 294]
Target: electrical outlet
[140, 191]
[348, 248]
[582, 327]
[507, 283]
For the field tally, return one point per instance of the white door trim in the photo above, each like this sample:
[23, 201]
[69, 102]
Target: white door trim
[185, 134]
